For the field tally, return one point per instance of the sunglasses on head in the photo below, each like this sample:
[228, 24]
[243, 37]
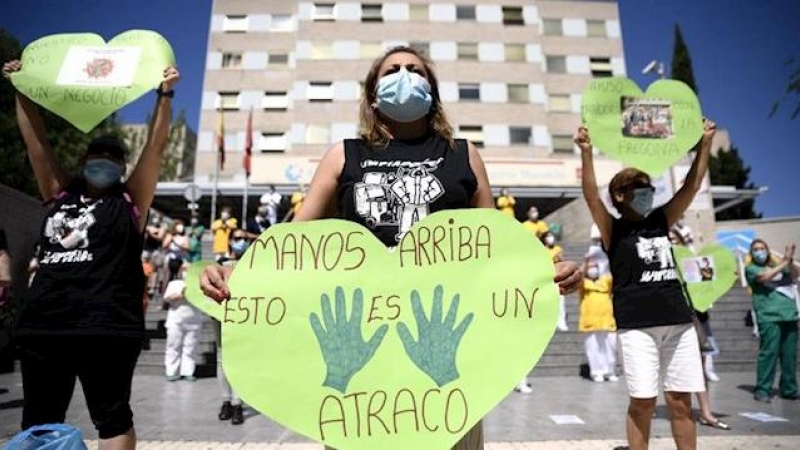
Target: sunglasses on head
[641, 184]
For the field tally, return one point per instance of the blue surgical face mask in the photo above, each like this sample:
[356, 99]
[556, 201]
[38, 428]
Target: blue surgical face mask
[760, 256]
[239, 246]
[102, 173]
[642, 201]
[404, 96]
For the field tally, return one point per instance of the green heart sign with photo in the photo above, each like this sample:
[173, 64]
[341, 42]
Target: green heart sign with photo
[358, 346]
[649, 131]
[83, 79]
[708, 274]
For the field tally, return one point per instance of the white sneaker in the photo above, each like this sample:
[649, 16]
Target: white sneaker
[562, 326]
[612, 378]
[524, 388]
[712, 376]
[598, 378]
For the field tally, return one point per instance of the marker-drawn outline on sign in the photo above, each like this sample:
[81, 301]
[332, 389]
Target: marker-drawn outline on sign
[435, 351]
[341, 342]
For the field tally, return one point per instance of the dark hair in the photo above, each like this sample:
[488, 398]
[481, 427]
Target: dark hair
[623, 181]
[108, 143]
[373, 131]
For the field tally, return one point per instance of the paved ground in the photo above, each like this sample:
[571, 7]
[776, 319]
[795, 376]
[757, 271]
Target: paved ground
[182, 416]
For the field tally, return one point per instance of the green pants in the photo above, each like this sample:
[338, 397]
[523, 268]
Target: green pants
[778, 341]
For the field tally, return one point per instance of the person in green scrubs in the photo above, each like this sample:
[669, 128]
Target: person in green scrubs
[773, 282]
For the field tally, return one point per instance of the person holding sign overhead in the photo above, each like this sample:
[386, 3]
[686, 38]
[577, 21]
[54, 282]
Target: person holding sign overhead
[84, 318]
[405, 165]
[654, 318]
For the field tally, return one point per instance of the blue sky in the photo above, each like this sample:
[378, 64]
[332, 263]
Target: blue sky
[738, 48]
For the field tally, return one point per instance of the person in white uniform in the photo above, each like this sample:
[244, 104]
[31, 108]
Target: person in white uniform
[183, 325]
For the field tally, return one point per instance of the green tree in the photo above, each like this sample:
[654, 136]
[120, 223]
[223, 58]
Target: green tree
[68, 143]
[728, 169]
[792, 89]
[682, 61]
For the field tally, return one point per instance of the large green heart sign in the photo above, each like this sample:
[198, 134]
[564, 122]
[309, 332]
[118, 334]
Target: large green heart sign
[84, 80]
[707, 274]
[649, 131]
[349, 343]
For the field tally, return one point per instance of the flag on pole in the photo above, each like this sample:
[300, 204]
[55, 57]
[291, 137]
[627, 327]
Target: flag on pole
[248, 144]
[221, 139]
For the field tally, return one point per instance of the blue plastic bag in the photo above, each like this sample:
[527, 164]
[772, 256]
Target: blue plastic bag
[55, 436]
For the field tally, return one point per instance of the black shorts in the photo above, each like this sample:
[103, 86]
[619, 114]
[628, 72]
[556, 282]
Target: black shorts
[104, 365]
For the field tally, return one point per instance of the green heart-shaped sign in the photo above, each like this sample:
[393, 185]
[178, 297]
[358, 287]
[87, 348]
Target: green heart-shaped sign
[649, 131]
[707, 274]
[84, 80]
[360, 347]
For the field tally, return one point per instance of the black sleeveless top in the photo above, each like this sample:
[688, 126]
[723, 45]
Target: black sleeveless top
[647, 291]
[90, 279]
[389, 189]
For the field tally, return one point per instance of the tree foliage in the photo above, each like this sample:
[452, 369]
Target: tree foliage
[728, 169]
[682, 62]
[792, 89]
[68, 143]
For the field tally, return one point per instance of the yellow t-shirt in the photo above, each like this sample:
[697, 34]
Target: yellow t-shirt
[596, 309]
[222, 234]
[505, 203]
[555, 252]
[297, 201]
[538, 228]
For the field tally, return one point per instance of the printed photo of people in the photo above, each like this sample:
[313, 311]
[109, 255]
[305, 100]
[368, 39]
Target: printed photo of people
[646, 118]
[697, 270]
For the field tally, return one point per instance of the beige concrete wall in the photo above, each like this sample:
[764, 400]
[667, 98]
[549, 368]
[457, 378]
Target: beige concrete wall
[778, 232]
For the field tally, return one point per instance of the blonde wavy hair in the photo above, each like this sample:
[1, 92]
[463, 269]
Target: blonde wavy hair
[373, 131]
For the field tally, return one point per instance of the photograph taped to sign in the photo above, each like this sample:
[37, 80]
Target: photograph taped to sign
[646, 118]
[99, 66]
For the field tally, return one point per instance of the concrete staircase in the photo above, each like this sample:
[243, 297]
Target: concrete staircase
[563, 357]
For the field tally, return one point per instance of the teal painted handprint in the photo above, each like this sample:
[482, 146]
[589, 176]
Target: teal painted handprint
[435, 351]
[343, 347]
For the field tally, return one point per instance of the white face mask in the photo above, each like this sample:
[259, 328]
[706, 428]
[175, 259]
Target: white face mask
[179, 229]
[225, 215]
[549, 240]
[593, 273]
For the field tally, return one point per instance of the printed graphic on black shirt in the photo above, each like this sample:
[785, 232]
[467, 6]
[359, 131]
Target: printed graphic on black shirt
[69, 228]
[657, 250]
[399, 198]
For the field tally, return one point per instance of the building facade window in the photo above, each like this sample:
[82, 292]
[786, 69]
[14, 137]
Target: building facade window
[323, 12]
[518, 93]
[418, 13]
[512, 15]
[519, 135]
[562, 143]
[472, 133]
[371, 12]
[320, 91]
[465, 12]
[318, 134]
[235, 24]
[596, 28]
[467, 51]
[422, 47]
[552, 27]
[469, 92]
[556, 64]
[228, 101]
[559, 103]
[370, 50]
[282, 23]
[515, 52]
[231, 60]
[275, 101]
[321, 50]
[601, 67]
[272, 142]
[278, 61]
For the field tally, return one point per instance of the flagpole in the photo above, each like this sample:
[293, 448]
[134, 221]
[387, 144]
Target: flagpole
[244, 202]
[248, 149]
[220, 130]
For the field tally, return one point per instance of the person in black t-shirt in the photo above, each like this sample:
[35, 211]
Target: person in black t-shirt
[405, 165]
[656, 336]
[84, 316]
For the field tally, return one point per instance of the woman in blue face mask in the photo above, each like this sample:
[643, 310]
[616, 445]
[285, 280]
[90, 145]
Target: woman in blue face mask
[774, 285]
[653, 316]
[84, 317]
[405, 165]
